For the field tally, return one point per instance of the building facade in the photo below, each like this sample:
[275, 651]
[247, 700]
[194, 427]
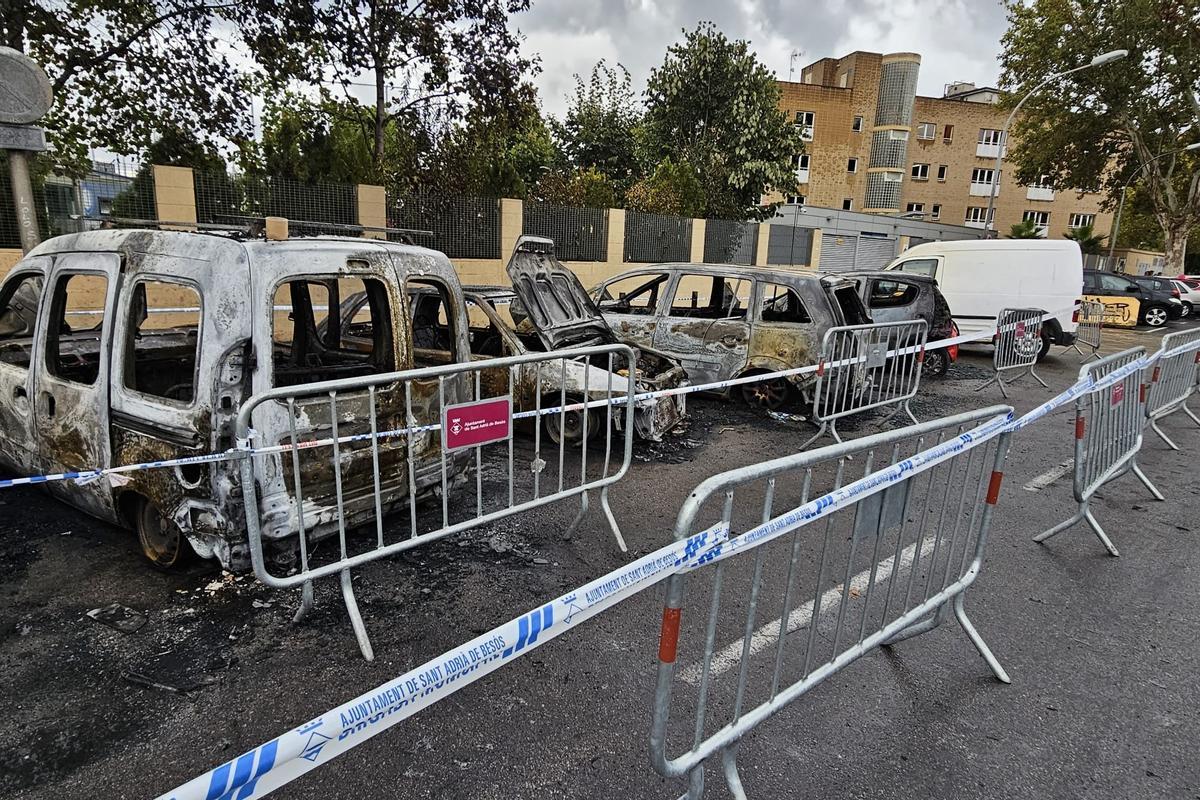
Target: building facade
[872, 144]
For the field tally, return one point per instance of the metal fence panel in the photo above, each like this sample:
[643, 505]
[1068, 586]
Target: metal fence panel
[333, 457]
[1173, 380]
[1091, 325]
[856, 372]
[463, 227]
[1108, 435]
[730, 242]
[224, 198]
[579, 234]
[789, 244]
[1018, 343]
[652, 238]
[872, 573]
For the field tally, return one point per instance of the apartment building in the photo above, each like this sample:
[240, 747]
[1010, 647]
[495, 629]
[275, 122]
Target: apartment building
[874, 145]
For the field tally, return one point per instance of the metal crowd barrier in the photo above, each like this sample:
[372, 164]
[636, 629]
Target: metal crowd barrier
[1108, 435]
[877, 571]
[1173, 380]
[856, 374]
[332, 459]
[1091, 324]
[1018, 342]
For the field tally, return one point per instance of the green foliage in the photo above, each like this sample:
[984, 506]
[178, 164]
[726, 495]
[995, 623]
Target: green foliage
[581, 187]
[670, 189]
[599, 128]
[713, 105]
[1101, 127]
[1090, 242]
[494, 156]
[1025, 229]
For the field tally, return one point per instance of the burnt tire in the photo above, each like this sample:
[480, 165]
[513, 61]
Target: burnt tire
[1045, 348]
[163, 543]
[770, 394]
[569, 427]
[936, 365]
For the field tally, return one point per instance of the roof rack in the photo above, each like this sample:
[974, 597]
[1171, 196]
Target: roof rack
[253, 227]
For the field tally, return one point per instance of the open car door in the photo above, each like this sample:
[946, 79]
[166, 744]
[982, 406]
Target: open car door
[558, 306]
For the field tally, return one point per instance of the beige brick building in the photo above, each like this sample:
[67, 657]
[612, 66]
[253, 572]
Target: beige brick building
[874, 145]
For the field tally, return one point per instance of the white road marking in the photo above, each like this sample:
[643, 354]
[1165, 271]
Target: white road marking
[730, 656]
[1049, 476]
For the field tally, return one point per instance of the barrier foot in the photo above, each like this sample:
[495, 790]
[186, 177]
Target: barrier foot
[1146, 481]
[1062, 526]
[1162, 435]
[1188, 411]
[916, 629]
[1095, 354]
[820, 432]
[306, 602]
[360, 629]
[729, 762]
[996, 380]
[960, 613]
[1038, 378]
[612, 520]
[911, 416]
[1101, 535]
[583, 510]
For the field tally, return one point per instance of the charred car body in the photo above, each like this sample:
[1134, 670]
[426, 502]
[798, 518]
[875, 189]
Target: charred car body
[726, 321]
[131, 346]
[899, 297]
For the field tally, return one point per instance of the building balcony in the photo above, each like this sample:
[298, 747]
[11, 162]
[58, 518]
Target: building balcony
[973, 224]
[984, 189]
[1039, 193]
[990, 150]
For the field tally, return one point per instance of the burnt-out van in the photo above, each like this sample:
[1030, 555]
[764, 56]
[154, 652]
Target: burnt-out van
[128, 346]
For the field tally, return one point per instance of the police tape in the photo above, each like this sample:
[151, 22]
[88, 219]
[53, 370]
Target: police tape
[244, 448]
[320, 740]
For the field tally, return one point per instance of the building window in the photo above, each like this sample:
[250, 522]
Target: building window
[794, 199]
[898, 136]
[893, 177]
[1081, 220]
[857, 125]
[948, 134]
[976, 214]
[914, 208]
[1039, 218]
[989, 136]
[941, 172]
[805, 120]
[982, 176]
[848, 204]
[1041, 182]
[926, 131]
[920, 172]
[852, 165]
[106, 206]
[935, 212]
[800, 161]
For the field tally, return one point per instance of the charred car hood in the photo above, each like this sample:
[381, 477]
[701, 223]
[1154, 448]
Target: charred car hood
[557, 304]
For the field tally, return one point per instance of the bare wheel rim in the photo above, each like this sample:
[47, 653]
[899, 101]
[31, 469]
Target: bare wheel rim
[936, 362]
[161, 539]
[1156, 317]
[766, 394]
[568, 427]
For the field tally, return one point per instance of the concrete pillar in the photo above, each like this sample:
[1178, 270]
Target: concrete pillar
[511, 225]
[902, 244]
[764, 238]
[699, 227]
[815, 258]
[616, 238]
[372, 210]
[175, 197]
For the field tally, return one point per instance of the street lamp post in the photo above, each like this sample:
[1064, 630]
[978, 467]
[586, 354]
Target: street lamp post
[1103, 58]
[1112, 240]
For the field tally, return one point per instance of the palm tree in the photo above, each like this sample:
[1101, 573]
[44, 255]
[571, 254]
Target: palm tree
[1090, 242]
[1025, 229]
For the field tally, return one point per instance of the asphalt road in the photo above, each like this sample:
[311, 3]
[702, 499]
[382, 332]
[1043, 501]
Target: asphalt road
[1102, 651]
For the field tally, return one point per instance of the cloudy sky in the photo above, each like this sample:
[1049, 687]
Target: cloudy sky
[958, 39]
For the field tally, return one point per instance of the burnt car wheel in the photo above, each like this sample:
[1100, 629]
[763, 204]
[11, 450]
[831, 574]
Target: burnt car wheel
[163, 543]
[936, 365]
[569, 427]
[770, 395]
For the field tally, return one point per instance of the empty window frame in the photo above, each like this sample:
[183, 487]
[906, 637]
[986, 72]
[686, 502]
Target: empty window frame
[19, 306]
[636, 294]
[163, 344]
[782, 304]
[433, 323]
[711, 297]
[77, 327]
[848, 204]
[948, 134]
[891, 294]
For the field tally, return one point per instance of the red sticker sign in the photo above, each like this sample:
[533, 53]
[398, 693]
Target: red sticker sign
[1118, 393]
[1020, 330]
[475, 423]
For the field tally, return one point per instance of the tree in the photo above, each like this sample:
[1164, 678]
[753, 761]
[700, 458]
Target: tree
[425, 64]
[712, 105]
[599, 128]
[671, 189]
[1025, 229]
[174, 148]
[1090, 242]
[125, 71]
[495, 155]
[1096, 129]
[582, 187]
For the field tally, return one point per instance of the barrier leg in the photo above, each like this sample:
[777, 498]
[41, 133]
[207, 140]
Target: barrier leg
[306, 602]
[583, 509]
[1104, 540]
[1038, 378]
[360, 629]
[612, 520]
[1188, 411]
[996, 380]
[1162, 435]
[1062, 526]
[917, 628]
[729, 762]
[820, 432]
[1095, 354]
[1146, 481]
[960, 614]
[908, 411]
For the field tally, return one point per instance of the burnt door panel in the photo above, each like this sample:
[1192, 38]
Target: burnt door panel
[21, 303]
[706, 325]
[630, 306]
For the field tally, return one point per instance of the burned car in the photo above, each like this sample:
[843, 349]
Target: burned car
[898, 297]
[129, 346]
[725, 321]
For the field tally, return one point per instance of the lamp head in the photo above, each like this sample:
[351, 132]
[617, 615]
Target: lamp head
[1111, 55]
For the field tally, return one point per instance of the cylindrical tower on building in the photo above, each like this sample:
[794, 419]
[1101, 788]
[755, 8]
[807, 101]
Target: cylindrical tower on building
[889, 135]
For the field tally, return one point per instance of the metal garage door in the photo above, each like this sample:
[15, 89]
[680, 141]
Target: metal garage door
[840, 253]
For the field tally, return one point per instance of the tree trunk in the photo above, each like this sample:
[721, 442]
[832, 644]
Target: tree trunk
[1175, 236]
[380, 121]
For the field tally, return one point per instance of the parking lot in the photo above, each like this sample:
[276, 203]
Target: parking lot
[1101, 651]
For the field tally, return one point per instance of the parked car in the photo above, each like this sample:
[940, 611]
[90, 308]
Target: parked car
[1189, 294]
[979, 278]
[896, 298]
[498, 325]
[1164, 289]
[1156, 304]
[725, 321]
[128, 346]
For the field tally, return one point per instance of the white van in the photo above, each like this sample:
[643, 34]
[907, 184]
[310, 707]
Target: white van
[979, 278]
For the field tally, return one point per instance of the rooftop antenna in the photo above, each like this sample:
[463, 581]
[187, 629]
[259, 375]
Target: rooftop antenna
[795, 54]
